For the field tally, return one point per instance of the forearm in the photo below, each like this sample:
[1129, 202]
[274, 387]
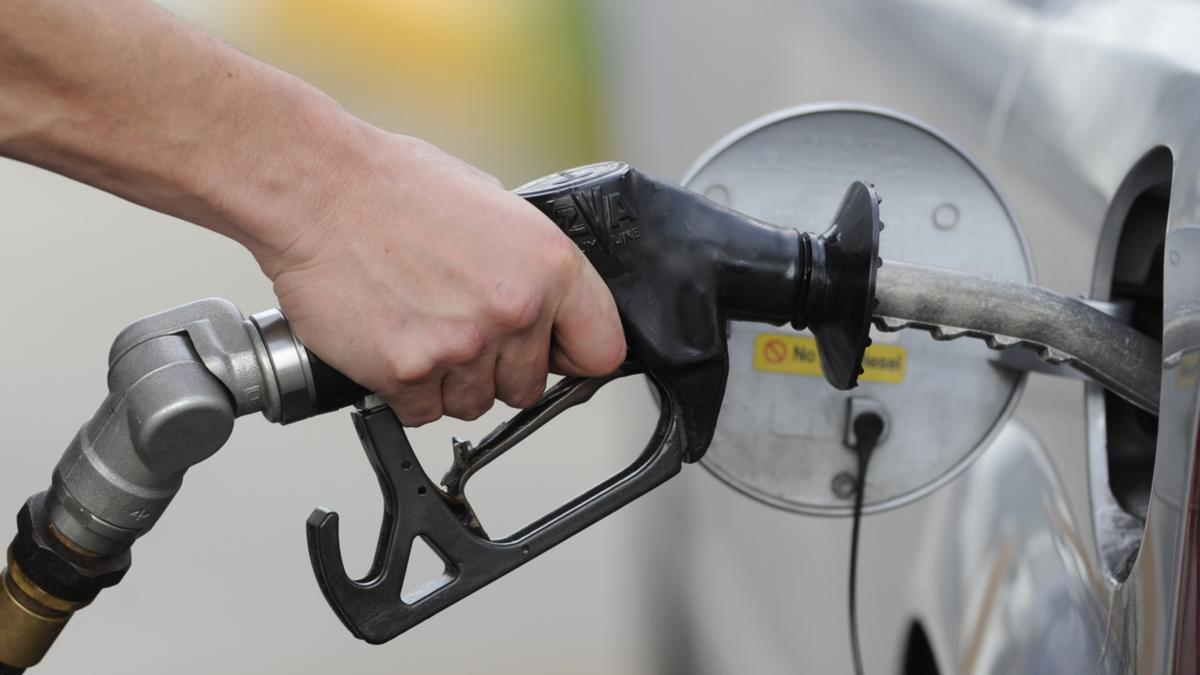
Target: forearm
[122, 96]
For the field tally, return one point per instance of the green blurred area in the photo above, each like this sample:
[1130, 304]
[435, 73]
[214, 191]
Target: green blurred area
[509, 85]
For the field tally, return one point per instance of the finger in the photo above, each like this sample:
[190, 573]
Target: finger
[561, 364]
[522, 367]
[418, 403]
[469, 391]
[588, 337]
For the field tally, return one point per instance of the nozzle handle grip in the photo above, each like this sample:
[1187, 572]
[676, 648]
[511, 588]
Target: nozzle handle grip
[331, 389]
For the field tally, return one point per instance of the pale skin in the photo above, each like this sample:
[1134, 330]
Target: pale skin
[412, 272]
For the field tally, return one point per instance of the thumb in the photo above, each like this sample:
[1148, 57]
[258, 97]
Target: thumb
[588, 337]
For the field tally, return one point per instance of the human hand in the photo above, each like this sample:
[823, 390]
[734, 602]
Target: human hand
[420, 278]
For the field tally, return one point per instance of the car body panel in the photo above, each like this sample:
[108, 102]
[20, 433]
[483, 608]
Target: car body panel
[1009, 568]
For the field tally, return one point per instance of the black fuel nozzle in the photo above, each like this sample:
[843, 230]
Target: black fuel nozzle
[680, 265]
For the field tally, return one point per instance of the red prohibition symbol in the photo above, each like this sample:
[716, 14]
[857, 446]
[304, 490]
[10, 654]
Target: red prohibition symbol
[774, 351]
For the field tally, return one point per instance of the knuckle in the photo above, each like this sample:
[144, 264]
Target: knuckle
[405, 369]
[561, 255]
[515, 308]
[463, 345]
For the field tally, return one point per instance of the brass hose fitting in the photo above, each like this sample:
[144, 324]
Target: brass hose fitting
[30, 618]
[47, 580]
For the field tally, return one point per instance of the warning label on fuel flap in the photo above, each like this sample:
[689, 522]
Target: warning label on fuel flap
[797, 355]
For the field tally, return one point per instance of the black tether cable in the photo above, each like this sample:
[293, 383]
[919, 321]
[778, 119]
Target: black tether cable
[868, 427]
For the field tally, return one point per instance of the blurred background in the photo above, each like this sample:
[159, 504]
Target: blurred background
[520, 88]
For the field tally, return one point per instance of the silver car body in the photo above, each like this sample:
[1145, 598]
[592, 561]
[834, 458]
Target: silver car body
[1028, 562]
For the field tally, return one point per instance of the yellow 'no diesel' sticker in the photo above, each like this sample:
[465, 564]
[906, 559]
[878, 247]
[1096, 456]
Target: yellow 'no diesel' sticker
[797, 355]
